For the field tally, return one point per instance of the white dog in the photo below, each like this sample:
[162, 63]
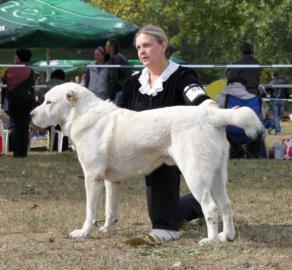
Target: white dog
[115, 144]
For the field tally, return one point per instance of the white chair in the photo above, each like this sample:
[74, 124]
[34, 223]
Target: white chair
[52, 136]
[5, 135]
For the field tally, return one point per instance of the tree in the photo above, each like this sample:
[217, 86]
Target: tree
[210, 31]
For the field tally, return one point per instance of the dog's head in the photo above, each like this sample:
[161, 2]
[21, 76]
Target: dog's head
[58, 103]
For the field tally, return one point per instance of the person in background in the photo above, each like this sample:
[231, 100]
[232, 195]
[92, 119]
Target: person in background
[58, 77]
[21, 100]
[80, 79]
[252, 81]
[117, 76]
[279, 98]
[97, 78]
[250, 75]
[163, 83]
[235, 87]
[4, 101]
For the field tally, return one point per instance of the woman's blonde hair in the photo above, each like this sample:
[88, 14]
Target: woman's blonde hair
[152, 30]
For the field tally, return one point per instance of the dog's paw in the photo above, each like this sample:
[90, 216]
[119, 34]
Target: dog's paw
[109, 226]
[79, 233]
[207, 241]
[106, 229]
[224, 238]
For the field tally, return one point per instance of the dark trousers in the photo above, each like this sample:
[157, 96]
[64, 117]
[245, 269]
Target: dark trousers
[21, 119]
[166, 209]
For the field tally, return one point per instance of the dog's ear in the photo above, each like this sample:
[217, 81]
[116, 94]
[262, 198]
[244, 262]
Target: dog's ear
[71, 97]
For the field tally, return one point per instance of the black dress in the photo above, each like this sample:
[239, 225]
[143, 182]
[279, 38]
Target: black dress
[21, 100]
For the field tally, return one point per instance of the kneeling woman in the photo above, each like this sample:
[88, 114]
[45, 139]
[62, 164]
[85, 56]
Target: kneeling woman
[163, 83]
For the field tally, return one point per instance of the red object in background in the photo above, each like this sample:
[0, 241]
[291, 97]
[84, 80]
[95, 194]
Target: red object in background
[289, 152]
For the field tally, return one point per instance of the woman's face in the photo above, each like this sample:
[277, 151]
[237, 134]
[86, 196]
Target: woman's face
[150, 51]
[99, 58]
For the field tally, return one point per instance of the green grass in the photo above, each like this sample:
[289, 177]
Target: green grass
[42, 200]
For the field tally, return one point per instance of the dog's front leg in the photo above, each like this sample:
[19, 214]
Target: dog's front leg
[94, 191]
[111, 206]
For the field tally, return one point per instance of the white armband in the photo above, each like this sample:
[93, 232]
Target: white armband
[193, 91]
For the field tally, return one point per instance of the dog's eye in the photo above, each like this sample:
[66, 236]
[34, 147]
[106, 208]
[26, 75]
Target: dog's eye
[48, 102]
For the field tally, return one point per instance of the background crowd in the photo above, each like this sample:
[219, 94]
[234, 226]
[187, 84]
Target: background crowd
[108, 83]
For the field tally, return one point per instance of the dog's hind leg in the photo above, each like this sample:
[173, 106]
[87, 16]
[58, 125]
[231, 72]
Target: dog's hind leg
[94, 191]
[219, 192]
[198, 175]
[111, 206]
[199, 186]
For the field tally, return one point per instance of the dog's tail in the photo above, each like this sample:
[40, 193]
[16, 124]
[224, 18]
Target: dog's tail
[243, 117]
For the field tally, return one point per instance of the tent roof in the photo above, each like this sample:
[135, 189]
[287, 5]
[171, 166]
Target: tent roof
[59, 24]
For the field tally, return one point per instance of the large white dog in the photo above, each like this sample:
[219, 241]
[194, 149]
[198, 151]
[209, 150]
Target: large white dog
[115, 144]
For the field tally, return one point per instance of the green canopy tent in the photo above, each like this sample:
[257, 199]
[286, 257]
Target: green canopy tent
[80, 65]
[58, 29]
[76, 66]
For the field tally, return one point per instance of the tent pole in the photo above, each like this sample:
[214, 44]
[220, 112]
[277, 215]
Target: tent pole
[48, 74]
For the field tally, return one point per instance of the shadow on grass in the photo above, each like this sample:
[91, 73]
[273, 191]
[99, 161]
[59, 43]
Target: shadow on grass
[272, 235]
[275, 235]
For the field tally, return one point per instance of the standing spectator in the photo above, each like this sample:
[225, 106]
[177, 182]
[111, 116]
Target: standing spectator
[163, 83]
[97, 78]
[21, 100]
[250, 75]
[117, 76]
[4, 102]
[58, 77]
[278, 96]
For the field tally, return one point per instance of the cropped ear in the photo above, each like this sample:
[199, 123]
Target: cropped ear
[71, 97]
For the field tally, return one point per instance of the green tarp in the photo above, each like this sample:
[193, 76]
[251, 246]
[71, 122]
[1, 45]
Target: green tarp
[77, 66]
[80, 65]
[58, 24]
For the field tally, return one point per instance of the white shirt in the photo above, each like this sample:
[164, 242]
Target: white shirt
[157, 87]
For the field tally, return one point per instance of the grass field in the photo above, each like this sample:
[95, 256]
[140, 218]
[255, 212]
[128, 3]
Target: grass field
[42, 201]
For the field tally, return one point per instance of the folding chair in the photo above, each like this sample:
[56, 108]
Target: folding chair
[52, 134]
[241, 144]
[5, 137]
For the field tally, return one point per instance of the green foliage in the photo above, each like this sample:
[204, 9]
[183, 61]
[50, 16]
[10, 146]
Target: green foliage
[210, 31]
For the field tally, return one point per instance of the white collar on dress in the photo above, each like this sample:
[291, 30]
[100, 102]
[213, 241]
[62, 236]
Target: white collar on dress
[145, 87]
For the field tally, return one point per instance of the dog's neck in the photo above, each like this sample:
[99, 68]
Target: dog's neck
[79, 116]
[67, 123]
